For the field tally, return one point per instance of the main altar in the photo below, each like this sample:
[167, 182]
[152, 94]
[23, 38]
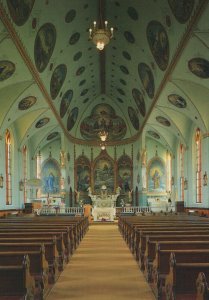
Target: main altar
[104, 205]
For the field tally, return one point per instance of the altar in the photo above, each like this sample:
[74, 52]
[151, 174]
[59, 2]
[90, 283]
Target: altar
[104, 205]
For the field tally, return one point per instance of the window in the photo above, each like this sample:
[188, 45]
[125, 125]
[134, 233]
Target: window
[168, 171]
[24, 157]
[8, 160]
[198, 166]
[182, 172]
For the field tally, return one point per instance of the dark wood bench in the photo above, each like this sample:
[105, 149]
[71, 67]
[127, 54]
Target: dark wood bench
[161, 265]
[180, 283]
[16, 281]
[202, 287]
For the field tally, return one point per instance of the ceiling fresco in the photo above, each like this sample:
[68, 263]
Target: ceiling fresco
[152, 76]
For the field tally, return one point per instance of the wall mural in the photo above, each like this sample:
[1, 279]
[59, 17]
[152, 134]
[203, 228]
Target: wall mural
[50, 176]
[133, 117]
[147, 79]
[181, 9]
[158, 42]
[42, 122]
[103, 117]
[103, 173]
[52, 136]
[83, 174]
[20, 10]
[124, 174]
[153, 134]
[156, 180]
[44, 46]
[57, 80]
[65, 102]
[163, 121]
[72, 118]
[199, 67]
[27, 103]
[7, 68]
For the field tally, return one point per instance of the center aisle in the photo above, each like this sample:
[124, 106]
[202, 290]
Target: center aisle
[101, 268]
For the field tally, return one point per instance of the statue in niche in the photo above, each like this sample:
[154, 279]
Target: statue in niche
[156, 179]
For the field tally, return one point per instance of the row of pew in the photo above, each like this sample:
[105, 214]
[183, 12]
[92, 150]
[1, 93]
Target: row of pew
[34, 251]
[172, 252]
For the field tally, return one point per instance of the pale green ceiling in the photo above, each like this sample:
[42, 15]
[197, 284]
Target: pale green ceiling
[112, 77]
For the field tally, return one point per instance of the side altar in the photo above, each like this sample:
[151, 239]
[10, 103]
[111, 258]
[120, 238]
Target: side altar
[104, 205]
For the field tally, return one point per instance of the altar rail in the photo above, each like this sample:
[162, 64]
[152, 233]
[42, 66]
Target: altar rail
[60, 211]
[143, 209]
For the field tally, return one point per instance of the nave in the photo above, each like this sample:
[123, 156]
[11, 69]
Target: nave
[102, 267]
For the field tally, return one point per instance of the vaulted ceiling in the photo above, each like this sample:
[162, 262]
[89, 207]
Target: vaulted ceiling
[153, 75]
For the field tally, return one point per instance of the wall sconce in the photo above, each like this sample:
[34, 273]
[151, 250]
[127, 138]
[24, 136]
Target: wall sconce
[62, 158]
[21, 185]
[185, 184]
[1, 181]
[205, 179]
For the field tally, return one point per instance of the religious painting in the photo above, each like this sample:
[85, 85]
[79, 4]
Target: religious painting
[83, 174]
[42, 122]
[126, 55]
[65, 102]
[50, 176]
[153, 134]
[133, 14]
[27, 103]
[163, 121]
[177, 100]
[7, 68]
[156, 175]
[72, 118]
[80, 71]
[129, 37]
[74, 38]
[133, 117]
[44, 46]
[20, 10]
[57, 80]
[181, 9]
[124, 70]
[77, 56]
[147, 79]
[124, 174]
[199, 67]
[103, 174]
[103, 118]
[159, 44]
[70, 16]
[139, 99]
[52, 136]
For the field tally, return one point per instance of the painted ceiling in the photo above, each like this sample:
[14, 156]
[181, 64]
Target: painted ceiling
[153, 76]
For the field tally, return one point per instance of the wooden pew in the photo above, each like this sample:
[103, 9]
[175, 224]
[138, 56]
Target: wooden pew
[201, 242]
[16, 281]
[50, 255]
[180, 283]
[161, 265]
[202, 287]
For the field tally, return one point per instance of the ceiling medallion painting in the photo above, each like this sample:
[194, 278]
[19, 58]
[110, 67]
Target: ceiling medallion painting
[65, 102]
[158, 42]
[133, 117]
[181, 9]
[27, 103]
[84, 92]
[77, 56]
[121, 92]
[52, 136]
[72, 118]
[147, 79]
[126, 55]
[80, 71]
[124, 70]
[42, 122]
[103, 117]
[57, 79]
[7, 68]
[139, 99]
[154, 134]
[129, 37]
[177, 101]
[70, 16]
[20, 10]
[163, 121]
[133, 14]
[74, 38]
[199, 67]
[44, 46]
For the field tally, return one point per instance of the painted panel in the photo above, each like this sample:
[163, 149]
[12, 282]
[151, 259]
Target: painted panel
[50, 176]
[156, 176]
[103, 174]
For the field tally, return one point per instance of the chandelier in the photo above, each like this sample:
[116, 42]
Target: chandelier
[103, 137]
[100, 34]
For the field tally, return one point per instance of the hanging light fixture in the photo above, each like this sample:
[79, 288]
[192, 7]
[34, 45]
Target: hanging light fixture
[103, 134]
[100, 34]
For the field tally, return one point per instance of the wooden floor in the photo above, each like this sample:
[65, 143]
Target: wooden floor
[101, 268]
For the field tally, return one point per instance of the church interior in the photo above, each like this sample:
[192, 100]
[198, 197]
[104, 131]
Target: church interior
[104, 126]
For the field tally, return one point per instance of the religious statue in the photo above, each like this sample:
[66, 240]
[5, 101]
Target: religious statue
[89, 191]
[205, 179]
[156, 179]
[77, 196]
